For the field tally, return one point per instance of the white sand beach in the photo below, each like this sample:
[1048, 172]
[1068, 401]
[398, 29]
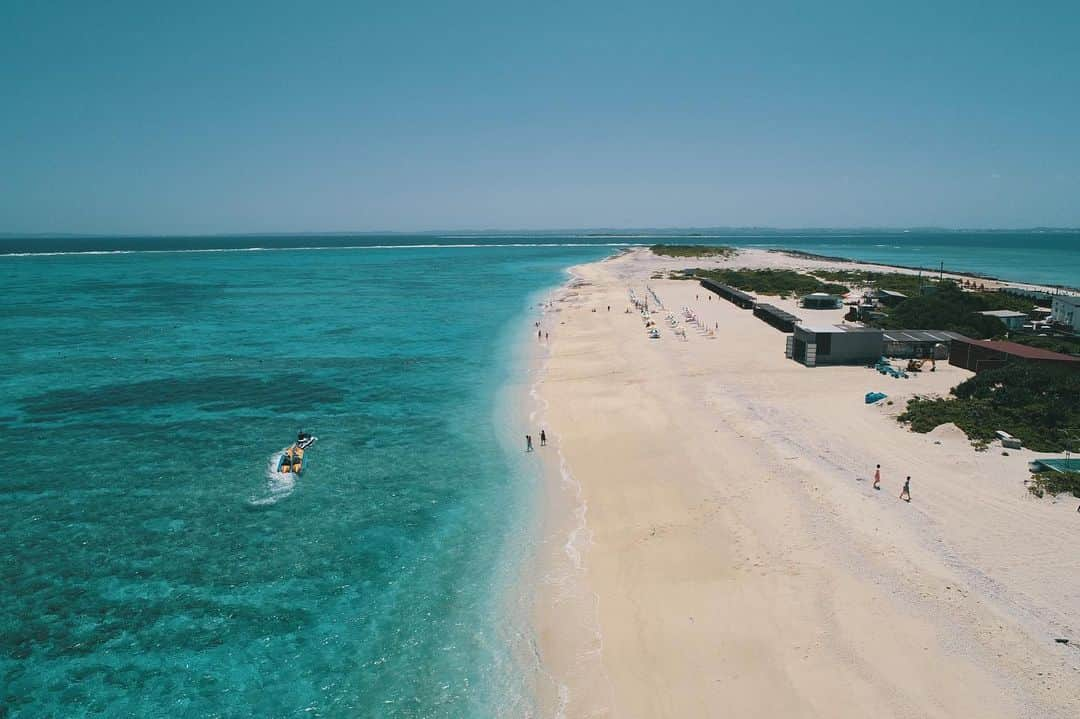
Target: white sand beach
[715, 546]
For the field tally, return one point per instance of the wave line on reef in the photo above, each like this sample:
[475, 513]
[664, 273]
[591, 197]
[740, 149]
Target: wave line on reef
[426, 246]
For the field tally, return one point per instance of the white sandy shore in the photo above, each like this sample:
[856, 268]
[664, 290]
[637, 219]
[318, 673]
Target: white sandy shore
[715, 547]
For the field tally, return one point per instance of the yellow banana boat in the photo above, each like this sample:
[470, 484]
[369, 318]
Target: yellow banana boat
[292, 459]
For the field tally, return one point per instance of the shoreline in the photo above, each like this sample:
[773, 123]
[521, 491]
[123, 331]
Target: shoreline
[564, 610]
[541, 587]
[721, 488]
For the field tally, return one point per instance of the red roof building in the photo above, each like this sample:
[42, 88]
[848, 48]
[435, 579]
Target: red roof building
[979, 355]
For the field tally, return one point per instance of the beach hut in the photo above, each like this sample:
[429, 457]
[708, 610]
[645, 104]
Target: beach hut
[778, 318]
[737, 297]
[821, 301]
[888, 298]
[981, 355]
[1011, 319]
[834, 344]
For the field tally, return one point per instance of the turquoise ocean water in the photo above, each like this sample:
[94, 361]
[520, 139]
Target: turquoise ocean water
[1036, 257]
[1044, 257]
[154, 565]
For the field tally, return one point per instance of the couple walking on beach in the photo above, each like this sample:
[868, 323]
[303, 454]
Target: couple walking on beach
[905, 493]
[529, 442]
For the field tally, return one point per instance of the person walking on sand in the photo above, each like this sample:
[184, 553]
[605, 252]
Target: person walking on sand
[877, 477]
[528, 443]
[539, 334]
[905, 493]
[543, 438]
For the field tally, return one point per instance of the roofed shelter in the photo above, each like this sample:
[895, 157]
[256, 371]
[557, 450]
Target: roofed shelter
[834, 344]
[778, 318]
[919, 344]
[981, 355]
[1012, 319]
[730, 294]
[821, 301]
[889, 297]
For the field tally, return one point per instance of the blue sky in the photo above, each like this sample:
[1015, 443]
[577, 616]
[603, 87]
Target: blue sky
[255, 117]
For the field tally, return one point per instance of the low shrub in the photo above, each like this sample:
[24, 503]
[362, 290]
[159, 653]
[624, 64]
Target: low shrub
[694, 251]
[1039, 404]
[1063, 344]
[772, 282]
[1055, 483]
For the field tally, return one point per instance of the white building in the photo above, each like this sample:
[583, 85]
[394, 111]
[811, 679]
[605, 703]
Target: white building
[1066, 311]
[1012, 320]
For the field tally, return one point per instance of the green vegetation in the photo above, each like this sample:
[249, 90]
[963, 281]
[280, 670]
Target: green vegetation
[693, 251]
[1055, 483]
[771, 282]
[949, 308]
[1040, 404]
[1062, 344]
[911, 285]
[896, 281]
[1004, 301]
[945, 307]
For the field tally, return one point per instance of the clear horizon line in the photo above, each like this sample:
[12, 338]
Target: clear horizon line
[674, 230]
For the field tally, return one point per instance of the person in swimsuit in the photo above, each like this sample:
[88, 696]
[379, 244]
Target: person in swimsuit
[877, 477]
[905, 493]
[543, 438]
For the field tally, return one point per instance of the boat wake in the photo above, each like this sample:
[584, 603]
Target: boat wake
[278, 486]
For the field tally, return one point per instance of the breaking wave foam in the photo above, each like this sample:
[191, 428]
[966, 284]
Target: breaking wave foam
[279, 485]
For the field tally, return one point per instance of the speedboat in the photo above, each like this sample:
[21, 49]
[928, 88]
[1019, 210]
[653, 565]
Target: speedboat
[292, 459]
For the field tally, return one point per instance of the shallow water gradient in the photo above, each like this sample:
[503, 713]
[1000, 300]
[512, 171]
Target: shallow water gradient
[153, 566]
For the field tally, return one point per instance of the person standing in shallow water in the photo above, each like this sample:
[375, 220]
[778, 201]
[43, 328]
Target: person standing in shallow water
[543, 438]
[877, 477]
[528, 443]
[905, 493]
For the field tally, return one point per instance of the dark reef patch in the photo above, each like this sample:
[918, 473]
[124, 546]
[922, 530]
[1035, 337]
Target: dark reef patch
[278, 393]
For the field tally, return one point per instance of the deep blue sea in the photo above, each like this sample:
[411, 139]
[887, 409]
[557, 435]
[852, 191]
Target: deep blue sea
[154, 564]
